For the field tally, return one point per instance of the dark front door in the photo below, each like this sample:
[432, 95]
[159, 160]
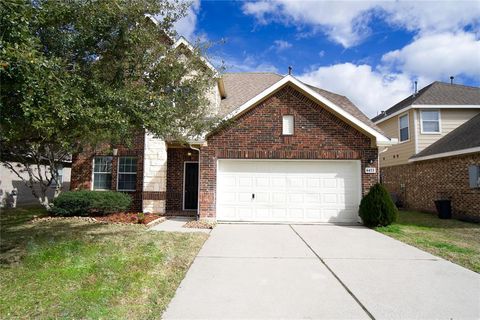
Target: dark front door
[190, 195]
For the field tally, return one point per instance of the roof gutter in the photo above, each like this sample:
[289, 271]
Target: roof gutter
[446, 154]
[429, 106]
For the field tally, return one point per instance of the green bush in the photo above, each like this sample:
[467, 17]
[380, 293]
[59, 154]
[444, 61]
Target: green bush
[377, 208]
[85, 202]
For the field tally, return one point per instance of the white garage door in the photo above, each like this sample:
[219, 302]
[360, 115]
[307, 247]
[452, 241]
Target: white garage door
[288, 190]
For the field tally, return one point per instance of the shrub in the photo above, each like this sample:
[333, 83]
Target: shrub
[84, 202]
[377, 208]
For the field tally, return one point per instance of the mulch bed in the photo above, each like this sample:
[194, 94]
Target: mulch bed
[51, 218]
[199, 224]
[128, 217]
[121, 217]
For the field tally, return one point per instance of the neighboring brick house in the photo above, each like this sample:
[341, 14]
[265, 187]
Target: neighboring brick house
[288, 152]
[438, 154]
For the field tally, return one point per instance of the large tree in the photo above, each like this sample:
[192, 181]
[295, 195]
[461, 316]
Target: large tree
[80, 72]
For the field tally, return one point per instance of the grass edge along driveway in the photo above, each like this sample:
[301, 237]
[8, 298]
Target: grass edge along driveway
[453, 240]
[76, 269]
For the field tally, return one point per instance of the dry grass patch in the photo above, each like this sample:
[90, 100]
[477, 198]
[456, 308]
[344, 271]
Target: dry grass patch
[77, 269]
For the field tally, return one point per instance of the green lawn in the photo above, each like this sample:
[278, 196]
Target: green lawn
[452, 240]
[74, 269]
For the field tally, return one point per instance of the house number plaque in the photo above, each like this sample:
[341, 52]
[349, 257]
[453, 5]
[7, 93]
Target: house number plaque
[370, 170]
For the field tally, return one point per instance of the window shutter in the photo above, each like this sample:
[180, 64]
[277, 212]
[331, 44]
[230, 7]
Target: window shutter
[474, 176]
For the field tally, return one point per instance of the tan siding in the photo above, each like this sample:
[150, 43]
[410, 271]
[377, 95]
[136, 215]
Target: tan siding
[397, 154]
[450, 119]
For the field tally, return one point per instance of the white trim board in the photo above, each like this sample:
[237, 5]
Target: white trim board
[381, 140]
[446, 154]
[429, 106]
[189, 46]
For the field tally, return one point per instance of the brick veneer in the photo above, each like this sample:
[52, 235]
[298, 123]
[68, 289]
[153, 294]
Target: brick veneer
[176, 158]
[82, 166]
[419, 184]
[257, 134]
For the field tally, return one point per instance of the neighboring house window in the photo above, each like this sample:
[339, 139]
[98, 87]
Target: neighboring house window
[474, 176]
[287, 125]
[430, 121]
[127, 174]
[102, 173]
[403, 125]
[59, 178]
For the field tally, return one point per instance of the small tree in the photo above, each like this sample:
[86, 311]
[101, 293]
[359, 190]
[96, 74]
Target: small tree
[377, 207]
[79, 73]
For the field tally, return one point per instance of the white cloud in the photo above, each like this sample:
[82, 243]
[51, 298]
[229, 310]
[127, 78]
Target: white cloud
[370, 90]
[428, 58]
[433, 16]
[342, 23]
[347, 22]
[247, 63]
[436, 57]
[280, 45]
[186, 26]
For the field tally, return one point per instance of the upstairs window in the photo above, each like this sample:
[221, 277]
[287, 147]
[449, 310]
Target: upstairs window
[287, 125]
[430, 121]
[404, 127]
[102, 173]
[127, 174]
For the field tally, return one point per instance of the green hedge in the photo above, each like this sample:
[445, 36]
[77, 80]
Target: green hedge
[377, 208]
[85, 202]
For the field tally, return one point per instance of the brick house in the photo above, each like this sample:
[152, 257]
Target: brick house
[288, 152]
[438, 154]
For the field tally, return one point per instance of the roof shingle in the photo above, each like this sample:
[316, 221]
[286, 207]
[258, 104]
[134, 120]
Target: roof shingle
[437, 93]
[464, 137]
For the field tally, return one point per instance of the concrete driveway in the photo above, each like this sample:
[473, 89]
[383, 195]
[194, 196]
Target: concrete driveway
[320, 271]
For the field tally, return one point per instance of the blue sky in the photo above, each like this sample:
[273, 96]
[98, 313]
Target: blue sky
[369, 51]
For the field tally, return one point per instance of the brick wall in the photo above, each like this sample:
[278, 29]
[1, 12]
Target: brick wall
[82, 167]
[257, 134]
[176, 158]
[419, 184]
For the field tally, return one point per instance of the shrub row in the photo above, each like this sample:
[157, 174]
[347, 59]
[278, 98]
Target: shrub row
[85, 202]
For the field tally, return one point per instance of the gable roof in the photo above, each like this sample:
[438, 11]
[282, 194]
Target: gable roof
[241, 87]
[184, 42]
[464, 139]
[254, 93]
[438, 94]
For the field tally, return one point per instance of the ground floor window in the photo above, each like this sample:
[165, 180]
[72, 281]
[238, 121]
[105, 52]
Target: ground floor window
[59, 177]
[127, 174]
[102, 173]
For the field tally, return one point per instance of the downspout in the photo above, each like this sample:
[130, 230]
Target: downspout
[378, 162]
[199, 176]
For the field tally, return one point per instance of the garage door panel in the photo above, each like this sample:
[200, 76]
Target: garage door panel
[312, 197]
[279, 213]
[288, 190]
[296, 213]
[279, 197]
[295, 198]
[262, 213]
[244, 197]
